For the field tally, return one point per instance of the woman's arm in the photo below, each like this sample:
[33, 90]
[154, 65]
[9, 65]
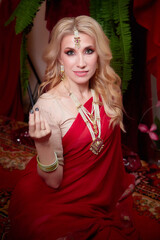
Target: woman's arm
[45, 140]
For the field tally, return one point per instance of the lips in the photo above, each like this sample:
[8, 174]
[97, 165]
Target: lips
[81, 73]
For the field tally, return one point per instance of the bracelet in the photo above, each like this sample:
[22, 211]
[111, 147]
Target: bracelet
[48, 168]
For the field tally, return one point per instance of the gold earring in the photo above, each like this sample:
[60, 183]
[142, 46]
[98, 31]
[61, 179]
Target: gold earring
[62, 72]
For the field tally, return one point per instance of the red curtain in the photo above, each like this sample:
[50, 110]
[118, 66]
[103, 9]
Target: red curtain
[147, 14]
[10, 91]
[56, 9]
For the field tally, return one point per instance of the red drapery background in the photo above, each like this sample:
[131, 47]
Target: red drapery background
[55, 10]
[147, 14]
[10, 92]
[145, 19]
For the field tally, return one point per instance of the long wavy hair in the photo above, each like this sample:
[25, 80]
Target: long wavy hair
[105, 81]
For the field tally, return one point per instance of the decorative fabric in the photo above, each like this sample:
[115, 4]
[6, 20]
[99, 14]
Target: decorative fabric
[16, 147]
[89, 203]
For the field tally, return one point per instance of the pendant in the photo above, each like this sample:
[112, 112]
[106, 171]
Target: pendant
[96, 145]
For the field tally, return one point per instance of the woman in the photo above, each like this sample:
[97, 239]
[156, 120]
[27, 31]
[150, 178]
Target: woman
[76, 187]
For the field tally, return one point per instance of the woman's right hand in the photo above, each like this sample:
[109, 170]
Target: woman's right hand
[40, 131]
[38, 126]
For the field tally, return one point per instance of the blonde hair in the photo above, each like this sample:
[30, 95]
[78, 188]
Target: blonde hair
[105, 81]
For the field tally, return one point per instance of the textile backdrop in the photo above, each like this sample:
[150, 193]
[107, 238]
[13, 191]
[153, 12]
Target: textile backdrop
[55, 10]
[10, 92]
[147, 14]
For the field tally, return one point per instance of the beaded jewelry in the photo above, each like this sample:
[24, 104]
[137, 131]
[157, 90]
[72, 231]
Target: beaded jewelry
[92, 121]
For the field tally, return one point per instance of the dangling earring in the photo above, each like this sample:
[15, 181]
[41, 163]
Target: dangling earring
[62, 72]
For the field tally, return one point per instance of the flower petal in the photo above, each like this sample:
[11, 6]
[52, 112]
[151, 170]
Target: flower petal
[143, 127]
[153, 136]
[153, 127]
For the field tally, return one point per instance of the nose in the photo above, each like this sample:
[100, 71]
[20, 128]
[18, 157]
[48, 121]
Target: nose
[81, 63]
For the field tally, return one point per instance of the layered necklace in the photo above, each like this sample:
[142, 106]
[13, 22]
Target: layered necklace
[92, 121]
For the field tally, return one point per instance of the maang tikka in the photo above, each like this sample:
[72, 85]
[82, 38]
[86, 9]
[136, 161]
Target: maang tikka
[76, 38]
[62, 72]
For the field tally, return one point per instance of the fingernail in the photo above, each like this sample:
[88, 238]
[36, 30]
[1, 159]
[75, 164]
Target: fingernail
[31, 111]
[36, 109]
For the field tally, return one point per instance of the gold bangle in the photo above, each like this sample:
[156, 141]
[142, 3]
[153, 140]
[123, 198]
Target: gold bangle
[48, 168]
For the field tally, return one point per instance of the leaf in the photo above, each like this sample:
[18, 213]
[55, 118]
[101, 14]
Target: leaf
[24, 69]
[24, 14]
[113, 16]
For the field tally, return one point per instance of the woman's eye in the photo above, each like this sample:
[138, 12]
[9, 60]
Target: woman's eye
[70, 52]
[89, 51]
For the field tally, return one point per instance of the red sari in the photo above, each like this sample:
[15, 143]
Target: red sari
[87, 205]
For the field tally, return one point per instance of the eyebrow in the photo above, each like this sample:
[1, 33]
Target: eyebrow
[70, 48]
[90, 46]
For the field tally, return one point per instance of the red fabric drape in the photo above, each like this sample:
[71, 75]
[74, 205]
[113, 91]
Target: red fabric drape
[10, 93]
[87, 205]
[147, 14]
[55, 10]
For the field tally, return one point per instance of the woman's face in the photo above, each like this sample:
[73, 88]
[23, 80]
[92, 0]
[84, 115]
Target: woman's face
[79, 63]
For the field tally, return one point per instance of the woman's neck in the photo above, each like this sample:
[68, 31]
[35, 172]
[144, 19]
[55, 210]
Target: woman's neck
[82, 91]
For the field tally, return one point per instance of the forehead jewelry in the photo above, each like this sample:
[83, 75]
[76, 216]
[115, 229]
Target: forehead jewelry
[76, 38]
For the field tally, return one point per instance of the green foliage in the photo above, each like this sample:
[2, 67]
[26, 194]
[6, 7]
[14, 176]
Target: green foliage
[24, 14]
[24, 70]
[113, 15]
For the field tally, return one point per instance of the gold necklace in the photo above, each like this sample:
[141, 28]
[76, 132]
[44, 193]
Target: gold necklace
[92, 121]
